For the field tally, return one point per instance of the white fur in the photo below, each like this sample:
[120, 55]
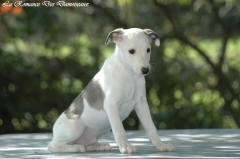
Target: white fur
[123, 85]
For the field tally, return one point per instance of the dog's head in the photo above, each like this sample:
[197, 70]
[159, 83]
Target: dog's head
[134, 47]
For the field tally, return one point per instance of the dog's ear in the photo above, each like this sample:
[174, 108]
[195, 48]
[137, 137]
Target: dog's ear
[153, 36]
[114, 36]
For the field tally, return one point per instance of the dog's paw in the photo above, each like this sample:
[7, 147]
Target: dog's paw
[165, 147]
[80, 148]
[106, 147]
[127, 148]
[99, 147]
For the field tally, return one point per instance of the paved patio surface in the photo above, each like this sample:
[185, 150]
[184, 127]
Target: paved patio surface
[203, 143]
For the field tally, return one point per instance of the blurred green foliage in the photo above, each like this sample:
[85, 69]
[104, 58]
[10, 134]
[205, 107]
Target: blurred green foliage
[48, 55]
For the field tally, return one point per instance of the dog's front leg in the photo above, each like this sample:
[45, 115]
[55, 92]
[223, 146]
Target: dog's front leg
[117, 127]
[144, 115]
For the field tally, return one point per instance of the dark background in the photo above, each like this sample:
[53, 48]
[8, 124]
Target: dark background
[47, 55]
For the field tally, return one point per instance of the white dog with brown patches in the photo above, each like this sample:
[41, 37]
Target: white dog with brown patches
[116, 90]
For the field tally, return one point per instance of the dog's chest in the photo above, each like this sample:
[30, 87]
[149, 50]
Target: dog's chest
[126, 109]
[128, 103]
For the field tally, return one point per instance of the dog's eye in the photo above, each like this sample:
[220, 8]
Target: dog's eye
[132, 51]
[148, 50]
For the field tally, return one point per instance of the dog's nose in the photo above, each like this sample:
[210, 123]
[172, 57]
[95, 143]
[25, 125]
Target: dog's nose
[145, 70]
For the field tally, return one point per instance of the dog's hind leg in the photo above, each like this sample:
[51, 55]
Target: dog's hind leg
[89, 138]
[65, 134]
[66, 148]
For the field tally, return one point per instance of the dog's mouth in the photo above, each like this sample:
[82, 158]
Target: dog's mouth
[146, 73]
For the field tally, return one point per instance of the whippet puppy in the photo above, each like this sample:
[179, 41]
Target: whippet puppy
[108, 99]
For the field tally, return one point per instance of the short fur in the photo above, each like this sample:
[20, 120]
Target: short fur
[116, 90]
[93, 94]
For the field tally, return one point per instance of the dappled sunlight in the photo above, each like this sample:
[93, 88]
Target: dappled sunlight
[192, 135]
[212, 143]
[139, 140]
[22, 148]
[227, 147]
[230, 135]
